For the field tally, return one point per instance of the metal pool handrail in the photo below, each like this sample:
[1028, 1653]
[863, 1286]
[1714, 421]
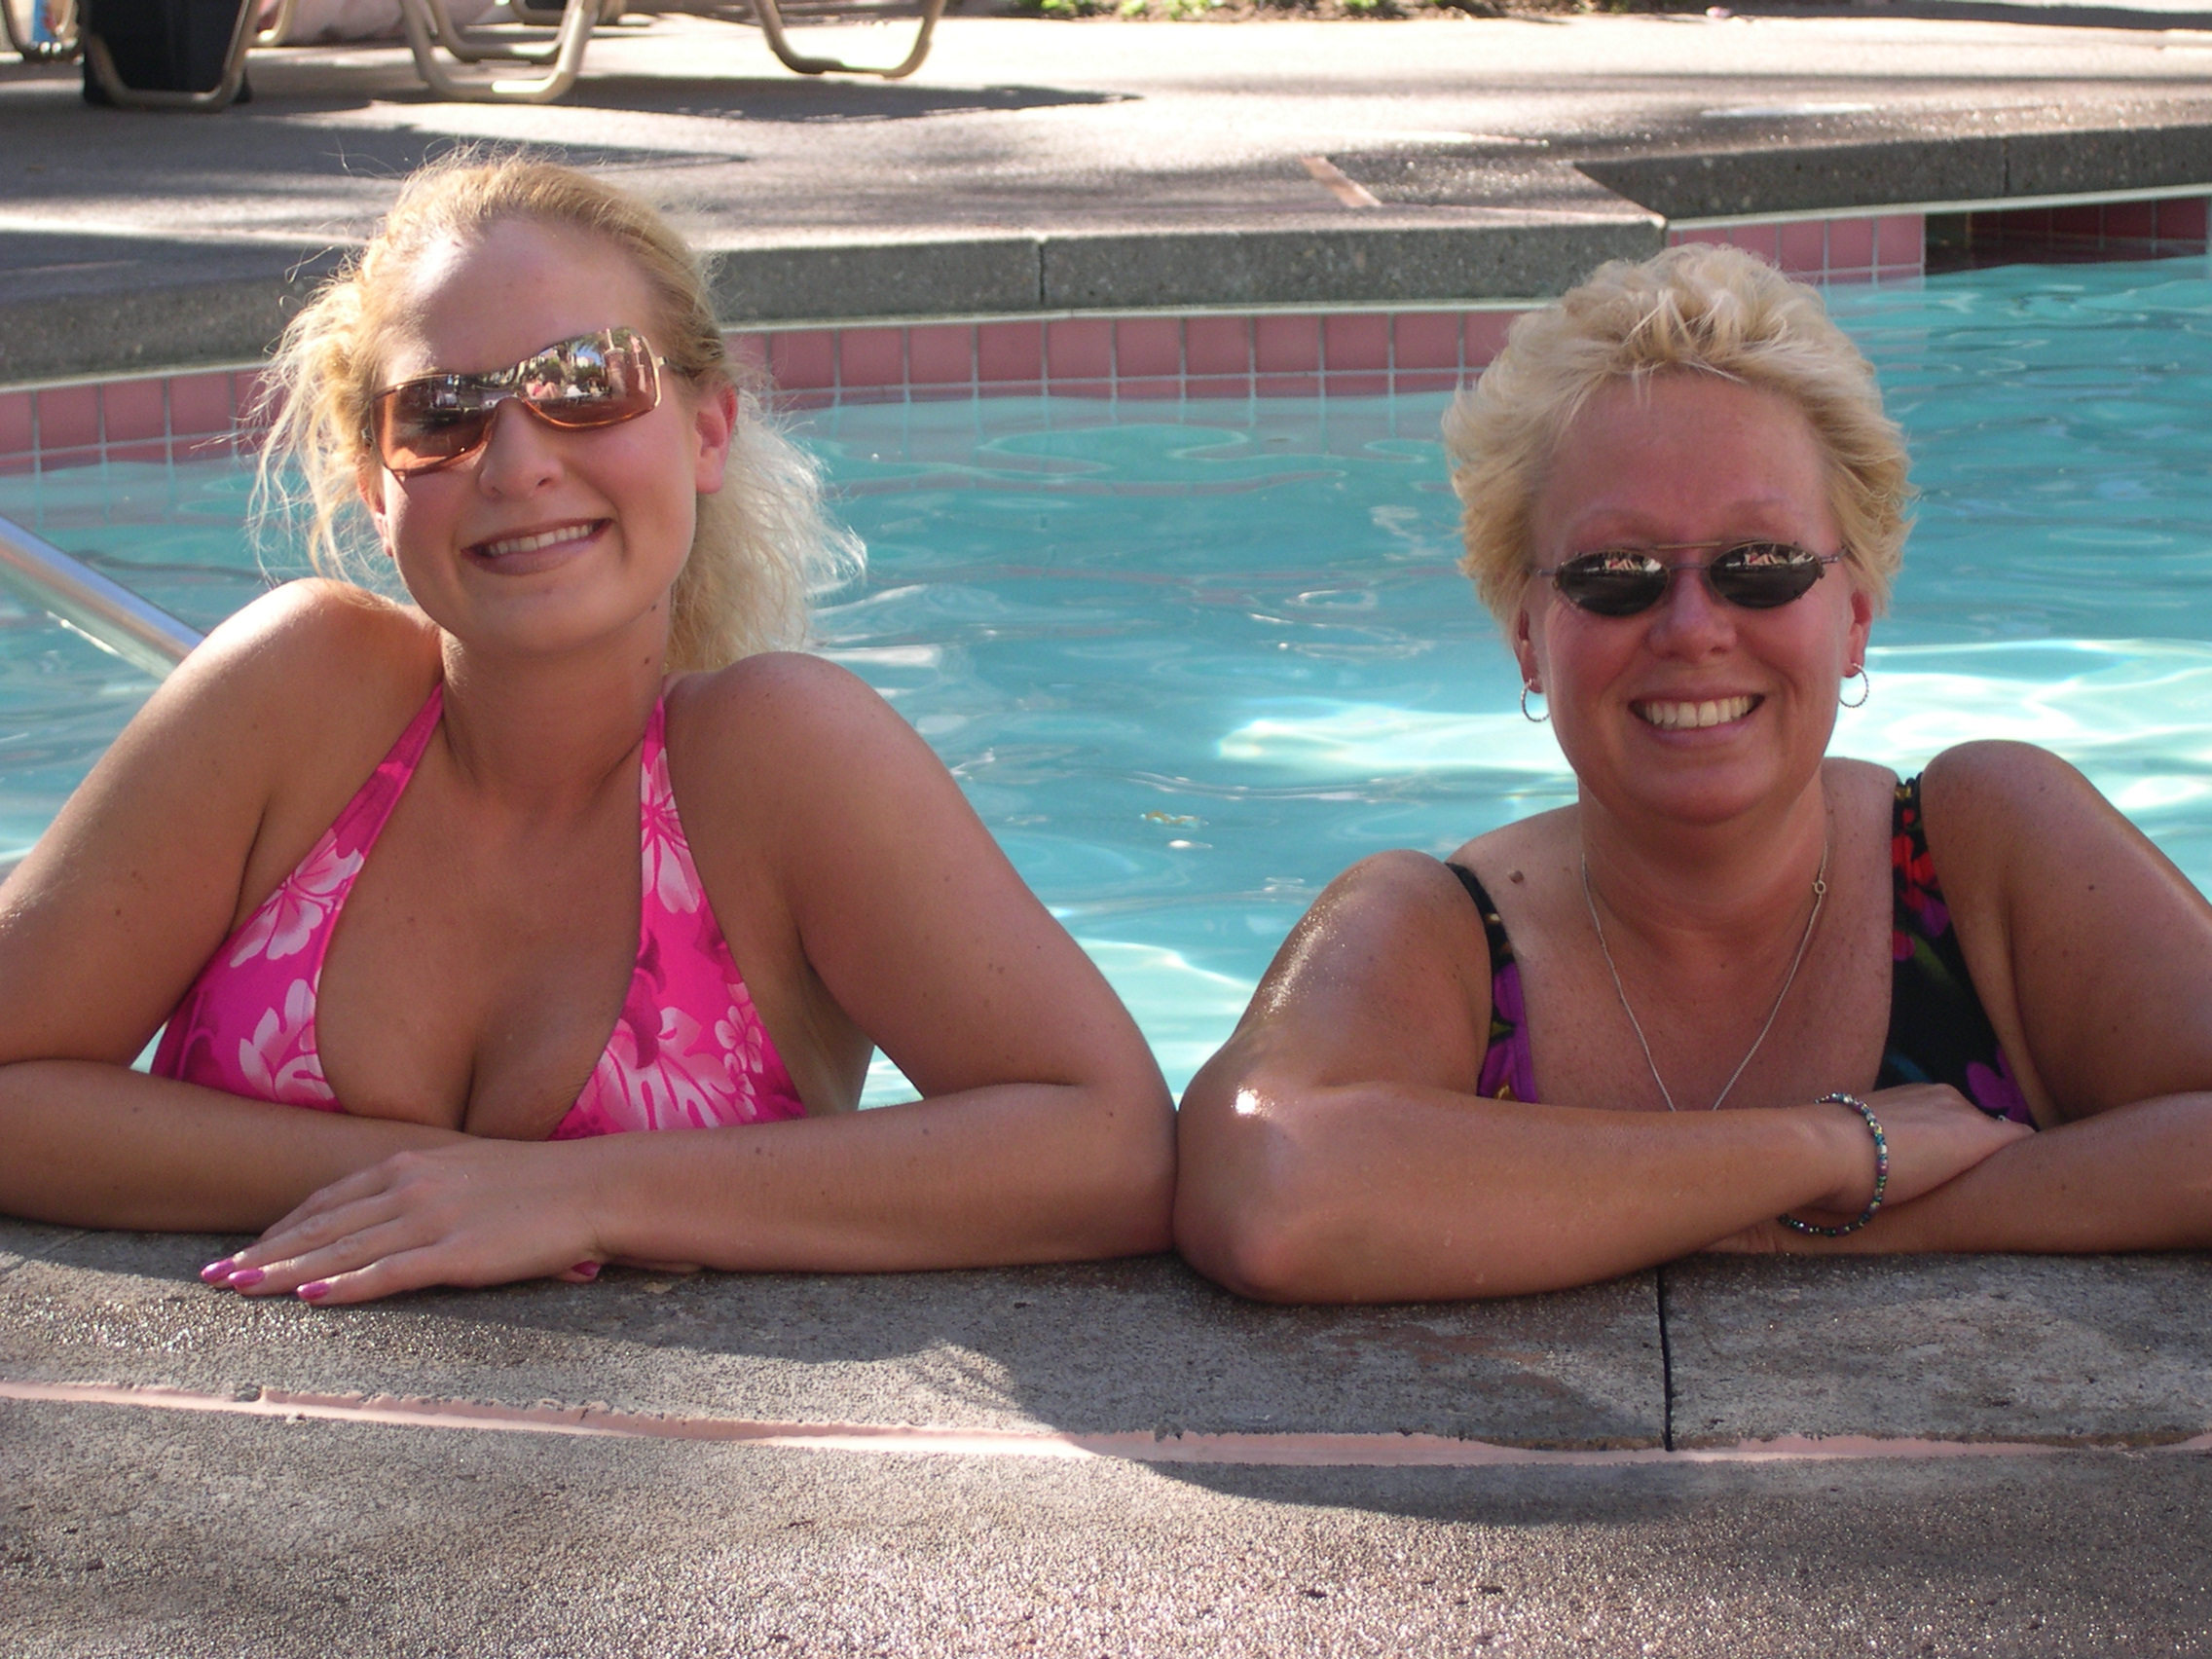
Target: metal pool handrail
[81, 599]
[87, 603]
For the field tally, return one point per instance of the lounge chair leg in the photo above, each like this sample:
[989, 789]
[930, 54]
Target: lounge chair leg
[220, 96]
[772, 26]
[469, 49]
[569, 55]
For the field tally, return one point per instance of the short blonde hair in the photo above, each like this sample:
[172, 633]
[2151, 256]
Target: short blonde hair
[1696, 309]
[761, 542]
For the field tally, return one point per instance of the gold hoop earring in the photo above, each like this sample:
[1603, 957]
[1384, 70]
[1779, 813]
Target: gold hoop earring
[1532, 719]
[1865, 687]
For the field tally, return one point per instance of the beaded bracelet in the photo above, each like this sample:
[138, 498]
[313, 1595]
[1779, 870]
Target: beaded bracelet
[1881, 1172]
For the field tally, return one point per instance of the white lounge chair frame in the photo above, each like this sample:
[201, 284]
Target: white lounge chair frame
[431, 30]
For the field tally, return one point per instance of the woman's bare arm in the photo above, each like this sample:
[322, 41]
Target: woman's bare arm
[1046, 1132]
[141, 877]
[2093, 957]
[1331, 1152]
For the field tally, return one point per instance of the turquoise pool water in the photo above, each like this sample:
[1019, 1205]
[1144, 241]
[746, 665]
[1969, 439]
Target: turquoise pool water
[1191, 660]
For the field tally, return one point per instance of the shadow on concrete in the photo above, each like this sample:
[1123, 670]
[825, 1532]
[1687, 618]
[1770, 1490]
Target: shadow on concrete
[816, 100]
[1141, 1345]
[2089, 16]
[2092, 1351]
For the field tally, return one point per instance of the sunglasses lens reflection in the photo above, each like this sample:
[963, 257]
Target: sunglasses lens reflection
[1758, 575]
[599, 379]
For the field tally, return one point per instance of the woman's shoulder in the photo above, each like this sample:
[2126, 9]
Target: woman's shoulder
[1980, 799]
[786, 709]
[307, 642]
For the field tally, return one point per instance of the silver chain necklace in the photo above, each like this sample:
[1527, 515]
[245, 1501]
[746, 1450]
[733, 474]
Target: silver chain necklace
[1820, 897]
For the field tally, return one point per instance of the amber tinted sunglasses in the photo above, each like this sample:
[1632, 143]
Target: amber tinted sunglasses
[435, 420]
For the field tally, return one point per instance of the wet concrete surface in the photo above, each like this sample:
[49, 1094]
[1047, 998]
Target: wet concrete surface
[1139, 1346]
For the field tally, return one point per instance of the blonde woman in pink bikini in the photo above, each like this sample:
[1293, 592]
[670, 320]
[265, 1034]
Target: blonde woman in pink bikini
[436, 905]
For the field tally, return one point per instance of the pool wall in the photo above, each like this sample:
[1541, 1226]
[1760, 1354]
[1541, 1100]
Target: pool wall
[1265, 352]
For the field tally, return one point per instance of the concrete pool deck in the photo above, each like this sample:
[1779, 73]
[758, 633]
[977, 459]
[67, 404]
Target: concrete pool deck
[2001, 1456]
[1042, 167]
[1933, 1455]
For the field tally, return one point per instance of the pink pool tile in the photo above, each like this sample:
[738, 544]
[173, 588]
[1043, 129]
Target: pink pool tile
[1287, 386]
[1358, 383]
[1010, 351]
[68, 416]
[942, 354]
[133, 409]
[1151, 387]
[747, 350]
[1425, 379]
[2086, 220]
[1425, 339]
[16, 465]
[1218, 386]
[15, 423]
[2182, 217]
[154, 450]
[871, 356]
[62, 459]
[1804, 248]
[1079, 348]
[1486, 332]
[1217, 346]
[804, 359]
[1286, 345]
[200, 404]
[1147, 347]
[1360, 340]
[246, 400]
[1901, 238]
[1766, 241]
[2131, 219]
[1719, 235]
[1081, 388]
[1851, 245]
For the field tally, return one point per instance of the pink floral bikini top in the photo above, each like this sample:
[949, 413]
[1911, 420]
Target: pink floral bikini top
[688, 1051]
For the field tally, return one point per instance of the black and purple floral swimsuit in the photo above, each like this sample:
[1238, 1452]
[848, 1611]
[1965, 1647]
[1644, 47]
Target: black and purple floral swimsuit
[1938, 1031]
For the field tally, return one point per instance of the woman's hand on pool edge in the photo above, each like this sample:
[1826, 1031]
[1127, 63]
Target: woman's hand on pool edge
[1934, 1135]
[479, 1213]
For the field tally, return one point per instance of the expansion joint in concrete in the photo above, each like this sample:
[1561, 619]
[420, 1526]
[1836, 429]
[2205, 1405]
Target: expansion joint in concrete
[1666, 1363]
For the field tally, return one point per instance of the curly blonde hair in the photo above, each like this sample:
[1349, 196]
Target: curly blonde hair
[1696, 309]
[761, 542]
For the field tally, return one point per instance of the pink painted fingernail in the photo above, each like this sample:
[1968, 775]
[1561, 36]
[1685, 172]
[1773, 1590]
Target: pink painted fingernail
[316, 1291]
[245, 1279]
[590, 1270]
[215, 1272]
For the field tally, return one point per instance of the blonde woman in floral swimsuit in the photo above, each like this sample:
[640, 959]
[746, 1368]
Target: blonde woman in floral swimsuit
[435, 903]
[1740, 995]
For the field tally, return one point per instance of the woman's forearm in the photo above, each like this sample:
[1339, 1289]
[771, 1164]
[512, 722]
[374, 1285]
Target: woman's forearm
[88, 1144]
[1017, 1172]
[1380, 1193]
[2134, 1178]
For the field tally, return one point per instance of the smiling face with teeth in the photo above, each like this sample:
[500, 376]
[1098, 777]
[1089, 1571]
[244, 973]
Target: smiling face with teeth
[1694, 710]
[549, 539]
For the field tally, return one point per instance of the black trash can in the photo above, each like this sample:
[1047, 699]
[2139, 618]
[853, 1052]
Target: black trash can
[164, 45]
